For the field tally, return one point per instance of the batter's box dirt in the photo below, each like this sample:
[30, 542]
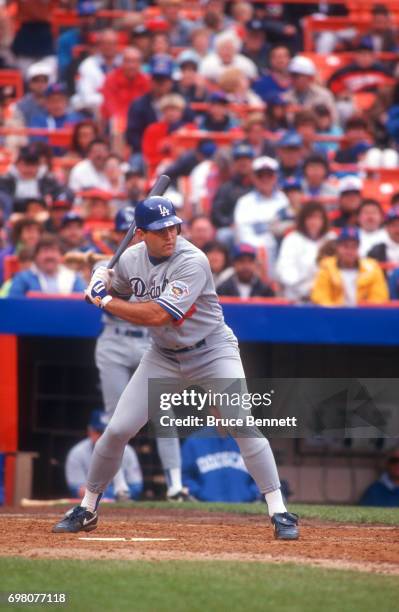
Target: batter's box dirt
[179, 534]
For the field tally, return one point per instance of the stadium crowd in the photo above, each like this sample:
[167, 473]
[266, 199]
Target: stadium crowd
[284, 161]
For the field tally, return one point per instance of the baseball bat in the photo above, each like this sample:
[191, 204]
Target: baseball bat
[159, 188]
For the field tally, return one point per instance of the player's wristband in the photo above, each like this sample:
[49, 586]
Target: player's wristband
[106, 300]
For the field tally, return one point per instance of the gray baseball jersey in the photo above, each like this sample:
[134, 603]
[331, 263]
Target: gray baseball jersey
[182, 284]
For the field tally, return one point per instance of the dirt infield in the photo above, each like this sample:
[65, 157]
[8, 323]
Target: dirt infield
[194, 534]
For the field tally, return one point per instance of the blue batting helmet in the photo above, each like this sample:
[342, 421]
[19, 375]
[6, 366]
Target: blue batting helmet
[123, 219]
[155, 213]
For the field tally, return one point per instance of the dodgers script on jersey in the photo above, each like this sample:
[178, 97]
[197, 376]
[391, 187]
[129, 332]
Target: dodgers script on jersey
[182, 284]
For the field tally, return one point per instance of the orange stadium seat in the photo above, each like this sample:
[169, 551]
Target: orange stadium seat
[13, 78]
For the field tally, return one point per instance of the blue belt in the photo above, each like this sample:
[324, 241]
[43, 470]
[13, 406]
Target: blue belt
[133, 333]
[187, 348]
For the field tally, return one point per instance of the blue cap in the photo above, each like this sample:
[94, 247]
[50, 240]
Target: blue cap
[255, 25]
[291, 183]
[290, 139]
[71, 217]
[243, 150]
[207, 147]
[392, 214]
[348, 233]
[98, 420]
[242, 250]
[86, 8]
[218, 97]
[57, 88]
[365, 43]
[123, 219]
[161, 65]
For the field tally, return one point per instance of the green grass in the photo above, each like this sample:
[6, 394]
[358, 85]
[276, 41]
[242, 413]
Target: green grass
[214, 586]
[344, 514]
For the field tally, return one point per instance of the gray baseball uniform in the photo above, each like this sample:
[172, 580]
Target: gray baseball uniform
[183, 285]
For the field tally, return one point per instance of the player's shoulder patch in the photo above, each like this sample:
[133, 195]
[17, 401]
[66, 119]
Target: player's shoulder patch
[177, 290]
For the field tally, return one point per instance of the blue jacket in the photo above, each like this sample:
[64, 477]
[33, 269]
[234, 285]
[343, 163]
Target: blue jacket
[28, 280]
[213, 469]
[393, 283]
[383, 493]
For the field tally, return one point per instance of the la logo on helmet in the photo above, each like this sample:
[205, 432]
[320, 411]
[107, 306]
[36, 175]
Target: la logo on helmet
[163, 210]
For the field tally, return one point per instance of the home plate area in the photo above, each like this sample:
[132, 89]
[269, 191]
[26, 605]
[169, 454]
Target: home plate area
[192, 534]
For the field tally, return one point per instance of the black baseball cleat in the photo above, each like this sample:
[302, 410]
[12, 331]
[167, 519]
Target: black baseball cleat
[285, 526]
[181, 496]
[77, 519]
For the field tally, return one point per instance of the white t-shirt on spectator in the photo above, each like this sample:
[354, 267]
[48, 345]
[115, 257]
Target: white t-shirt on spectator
[349, 280]
[244, 289]
[212, 67]
[84, 176]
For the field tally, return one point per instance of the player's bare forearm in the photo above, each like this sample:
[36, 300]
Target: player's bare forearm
[148, 314]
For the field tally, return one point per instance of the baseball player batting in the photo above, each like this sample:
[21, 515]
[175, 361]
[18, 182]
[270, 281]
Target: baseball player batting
[119, 349]
[176, 299]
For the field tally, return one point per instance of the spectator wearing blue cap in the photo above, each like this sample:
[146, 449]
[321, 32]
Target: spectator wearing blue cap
[255, 46]
[72, 235]
[93, 71]
[245, 282]
[107, 242]
[290, 154]
[226, 197]
[345, 279]
[388, 250]
[276, 79]
[384, 492]
[218, 117]
[56, 115]
[258, 210]
[127, 483]
[47, 274]
[189, 83]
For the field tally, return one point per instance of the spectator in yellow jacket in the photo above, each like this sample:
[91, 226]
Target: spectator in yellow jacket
[346, 279]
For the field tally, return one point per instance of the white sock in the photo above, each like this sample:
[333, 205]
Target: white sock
[173, 478]
[90, 500]
[275, 502]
